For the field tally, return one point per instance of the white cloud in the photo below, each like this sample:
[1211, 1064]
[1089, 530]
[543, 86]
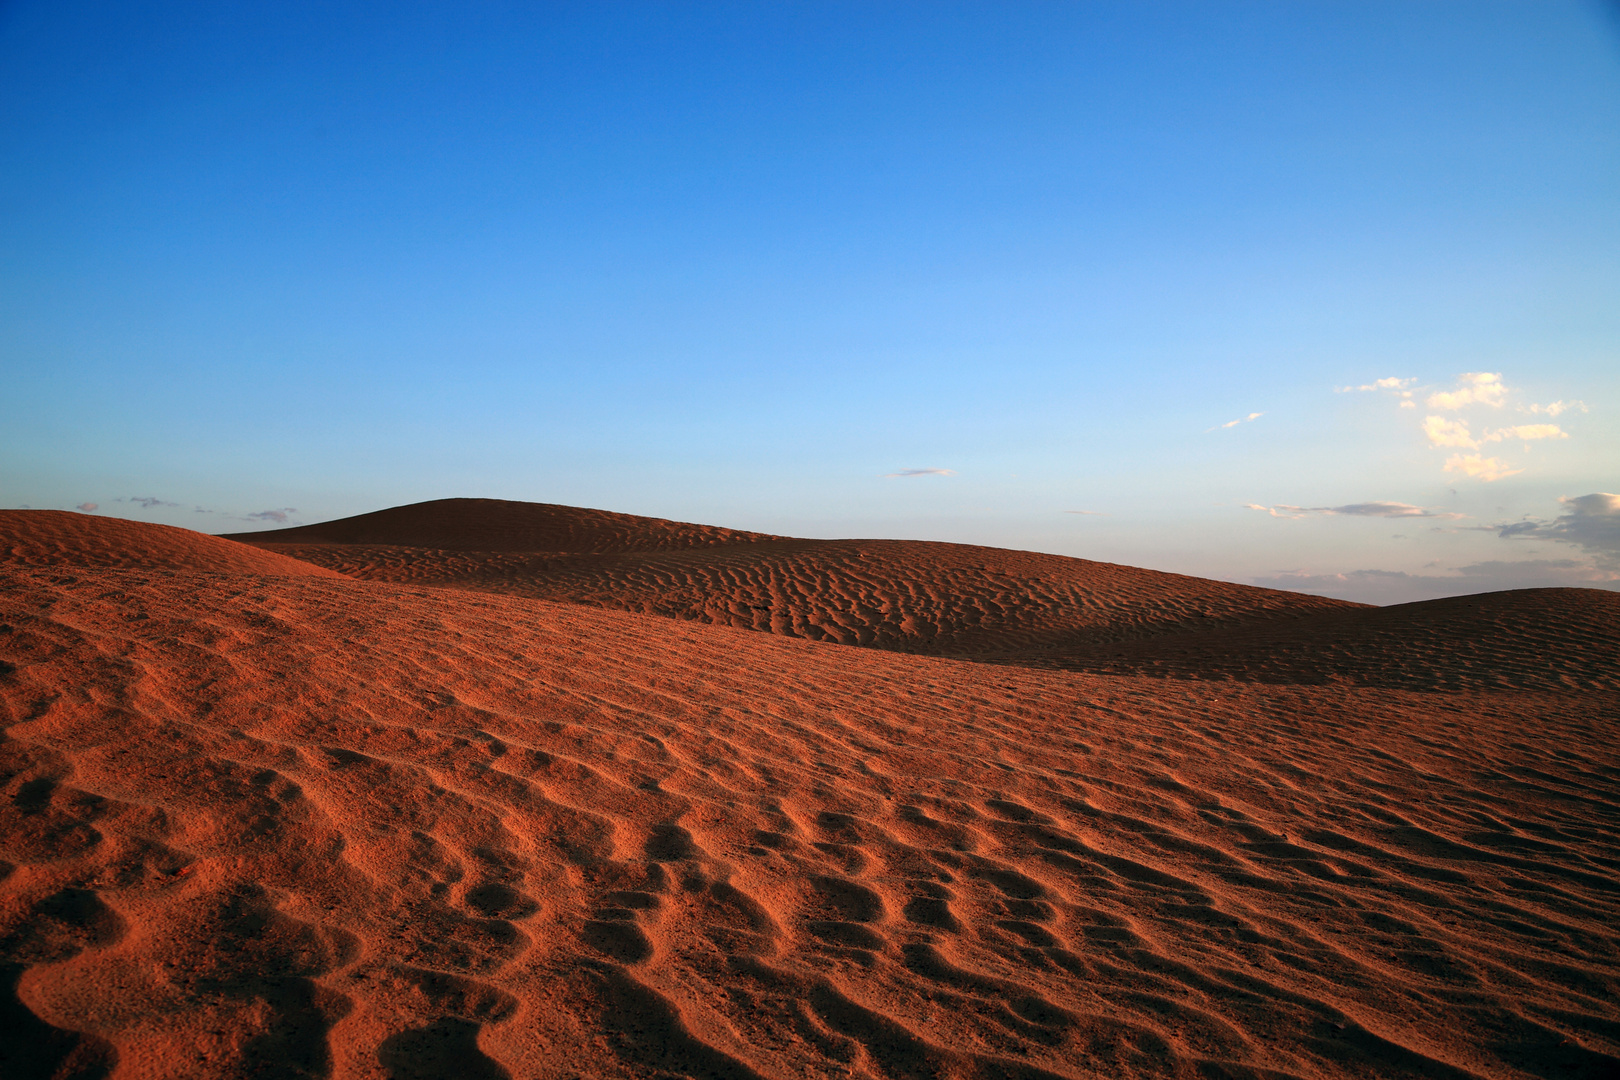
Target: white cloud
[1087, 513]
[278, 516]
[1443, 432]
[146, 502]
[1366, 509]
[921, 472]
[1235, 423]
[87, 507]
[1480, 467]
[1391, 383]
[1557, 407]
[1473, 388]
[1528, 432]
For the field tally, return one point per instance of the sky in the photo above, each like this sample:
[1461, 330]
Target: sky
[1315, 296]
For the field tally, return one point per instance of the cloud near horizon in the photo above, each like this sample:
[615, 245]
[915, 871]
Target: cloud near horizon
[1399, 587]
[146, 502]
[920, 472]
[278, 516]
[1590, 522]
[1366, 509]
[87, 507]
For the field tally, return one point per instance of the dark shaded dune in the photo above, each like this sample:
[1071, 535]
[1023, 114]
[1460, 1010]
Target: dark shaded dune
[503, 525]
[1544, 639]
[62, 538]
[904, 595]
[1007, 607]
[317, 827]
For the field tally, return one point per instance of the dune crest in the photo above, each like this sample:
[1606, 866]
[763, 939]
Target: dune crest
[504, 525]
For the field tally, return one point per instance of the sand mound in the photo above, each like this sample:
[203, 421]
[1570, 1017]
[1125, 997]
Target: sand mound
[1549, 639]
[60, 538]
[501, 525]
[308, 827]
[1024, 608]
[904, 595]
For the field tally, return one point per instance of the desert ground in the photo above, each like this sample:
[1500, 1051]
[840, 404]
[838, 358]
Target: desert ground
[477, 789]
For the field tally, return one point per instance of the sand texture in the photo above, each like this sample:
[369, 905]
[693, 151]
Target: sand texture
[262, 825]
[904, 595]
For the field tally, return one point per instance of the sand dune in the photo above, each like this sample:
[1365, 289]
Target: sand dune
[60, 538]
[503, 525]
[1013, 607]
[910, 596]
[263, 825]
[1546, 639]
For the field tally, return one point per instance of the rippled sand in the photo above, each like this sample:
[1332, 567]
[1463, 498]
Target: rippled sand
[263, 820]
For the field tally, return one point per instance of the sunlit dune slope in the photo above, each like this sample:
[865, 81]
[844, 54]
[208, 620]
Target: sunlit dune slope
[1547, 639]
[913, 596]
[59, 538]
[502, 525]
[307, 827]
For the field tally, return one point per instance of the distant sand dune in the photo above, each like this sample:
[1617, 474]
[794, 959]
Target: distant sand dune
[254, 824]
[61, 538]
[911, 596]
[503, 525]
[1013, 607]
[1545, 639]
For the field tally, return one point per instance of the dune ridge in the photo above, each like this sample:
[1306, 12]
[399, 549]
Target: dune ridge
[265, 825]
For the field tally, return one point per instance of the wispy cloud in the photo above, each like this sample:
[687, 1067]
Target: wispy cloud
[1366, 509]
[1557, 407]
[146, 502]
[1087, 513]
[278, 516]
[87, 507]
[1391, 383]
[1528, 432]
[920, 472]
[1235, 423]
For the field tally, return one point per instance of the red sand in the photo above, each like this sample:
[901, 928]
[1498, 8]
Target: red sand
[263, 825]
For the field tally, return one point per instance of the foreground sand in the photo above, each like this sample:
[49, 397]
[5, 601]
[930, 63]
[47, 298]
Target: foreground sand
[258, 824]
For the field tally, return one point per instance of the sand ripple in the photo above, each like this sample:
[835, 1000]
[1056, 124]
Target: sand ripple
[258, 826]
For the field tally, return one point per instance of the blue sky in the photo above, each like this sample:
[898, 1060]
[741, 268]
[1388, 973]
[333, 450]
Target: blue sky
[755, 264]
